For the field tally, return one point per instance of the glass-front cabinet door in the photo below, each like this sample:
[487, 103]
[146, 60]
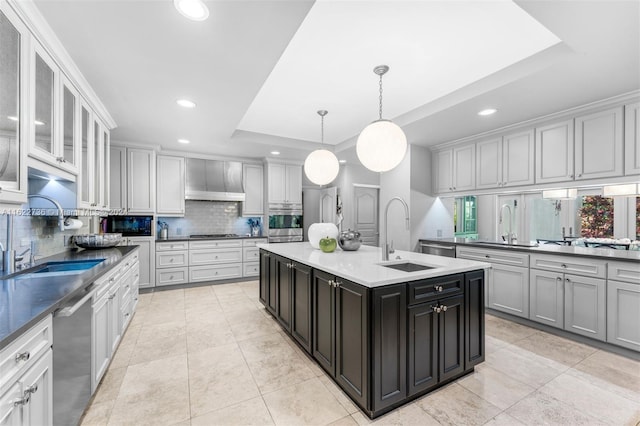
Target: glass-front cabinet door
[43, 110]
[85, 177]
[70, 130]
[98, 172]
[106, 149]
[12, 107]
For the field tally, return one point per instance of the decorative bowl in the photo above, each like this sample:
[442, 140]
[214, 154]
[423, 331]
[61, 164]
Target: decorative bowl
[97, 241]
[349, 240]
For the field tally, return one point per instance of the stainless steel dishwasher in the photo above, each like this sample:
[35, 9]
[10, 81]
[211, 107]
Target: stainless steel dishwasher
[72, 358]
[438, 249]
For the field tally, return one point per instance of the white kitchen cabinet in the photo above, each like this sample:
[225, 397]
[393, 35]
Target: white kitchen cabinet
[141, 169]
[599, 144]
[85, 177]
[172, 276]
[555, 152]
[101, 335]
[584, 306]
[101, 164]
[623, 304]
[284, 183]
[253, 180]
[118, 178]
[170, 186]
[15, 57]
[455, 169]
[546, 298]
[213, 273]
[505, 161]
[147, 259]
[632, 139]
[172, 264]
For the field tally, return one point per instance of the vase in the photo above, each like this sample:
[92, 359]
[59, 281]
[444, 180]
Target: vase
[321, 230]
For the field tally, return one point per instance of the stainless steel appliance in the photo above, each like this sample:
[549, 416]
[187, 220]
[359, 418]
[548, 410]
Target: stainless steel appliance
[72, 359]
[131, 226]
[214, 236]
[438, 249]
[214, 180]
[285, 225]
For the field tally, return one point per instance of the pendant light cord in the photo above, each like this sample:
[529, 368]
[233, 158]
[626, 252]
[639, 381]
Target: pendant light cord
[322, 130]
[380, 110]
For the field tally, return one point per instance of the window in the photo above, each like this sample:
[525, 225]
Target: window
[596, 217]
[637, 218]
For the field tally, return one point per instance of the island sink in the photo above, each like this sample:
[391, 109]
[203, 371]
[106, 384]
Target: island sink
[407, 266]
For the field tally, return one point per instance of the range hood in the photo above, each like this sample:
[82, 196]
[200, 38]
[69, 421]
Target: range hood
[214, 180]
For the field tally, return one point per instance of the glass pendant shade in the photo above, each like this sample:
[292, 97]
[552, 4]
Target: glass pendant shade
[381, 146]
[321, 166]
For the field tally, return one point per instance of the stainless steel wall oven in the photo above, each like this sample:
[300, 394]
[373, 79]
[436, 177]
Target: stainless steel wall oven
[285, 225]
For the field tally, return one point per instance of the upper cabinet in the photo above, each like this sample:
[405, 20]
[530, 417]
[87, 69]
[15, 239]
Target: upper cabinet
[599, 145]
[506, 161]
[170, 185]
[632, 139]
[284, 183]
[86, 154]
[132, 180]
[252, 178]
[554, 152]
[454, 169]
[13, 128]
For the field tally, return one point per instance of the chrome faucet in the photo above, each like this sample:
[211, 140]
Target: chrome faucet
[61, 220]
[511, 237]
[386, 248]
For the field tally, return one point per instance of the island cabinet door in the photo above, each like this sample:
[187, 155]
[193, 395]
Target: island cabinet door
[352, 339]
[451, 337]
[272, 287]
[474, 319]
[283, 292]
[324, 322]
[301, 305]
[264, 277]
[422, 370]
[389, 345]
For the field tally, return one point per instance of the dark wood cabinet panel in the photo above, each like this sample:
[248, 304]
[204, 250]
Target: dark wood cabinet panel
[352, 339]
[283, 293]
[324, 323]
[301, 291]
[264, 277]
[474, 319]
[435, 288]
[451, 337]
[389, 345]
[272, 300]
[423, 348]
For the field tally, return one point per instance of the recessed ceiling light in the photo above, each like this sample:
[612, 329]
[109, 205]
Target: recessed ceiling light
[488, 111]
[183, 140]
[342, 161]
[12, 117]
[38, 122]
[186, 103]
[195, 10]
[275, 152]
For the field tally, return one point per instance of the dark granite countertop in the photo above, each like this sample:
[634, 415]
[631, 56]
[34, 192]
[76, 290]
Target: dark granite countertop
[188, 238]
[24, 302]
[597, 253]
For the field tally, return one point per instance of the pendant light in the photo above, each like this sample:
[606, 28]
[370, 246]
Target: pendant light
[321, 166]
[382, 144]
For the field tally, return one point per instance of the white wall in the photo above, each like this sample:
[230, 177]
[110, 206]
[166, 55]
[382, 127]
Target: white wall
[396, 183]
[310, 208]
[351, 174]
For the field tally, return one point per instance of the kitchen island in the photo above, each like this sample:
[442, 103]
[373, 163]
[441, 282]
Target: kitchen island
[385, 335]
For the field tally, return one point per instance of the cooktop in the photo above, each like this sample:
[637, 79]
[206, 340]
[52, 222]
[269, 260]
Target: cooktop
[214, 236]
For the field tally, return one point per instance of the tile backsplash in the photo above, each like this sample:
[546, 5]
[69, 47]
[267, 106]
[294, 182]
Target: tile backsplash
[208, 217]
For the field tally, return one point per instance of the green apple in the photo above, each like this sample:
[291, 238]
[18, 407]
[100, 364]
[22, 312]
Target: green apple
[328, 245]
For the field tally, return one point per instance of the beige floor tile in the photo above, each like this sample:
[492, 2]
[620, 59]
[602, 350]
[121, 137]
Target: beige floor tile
[150, 350]
[592, 400]
[98, 413]
[345, 421]
[455, 405]
[307, 403]
[503, 419]
[109, 387]
[557, 348]
[493, 344]
[210, 312]
[247, 413]
[167, 404]
[161, 331]
[159, 314]
[505, 330]
[614, 369]
[249, 329]
[524, 366]
[143, 377]
[202, 335]
[219, 377]
[243, 304]
[495, 387]
[410, 414]
[338, 394]
[272, 344]
[541, 409]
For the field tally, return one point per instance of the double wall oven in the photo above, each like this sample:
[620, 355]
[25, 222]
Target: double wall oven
[285, 223]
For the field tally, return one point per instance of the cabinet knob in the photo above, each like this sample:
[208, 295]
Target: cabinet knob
[24, 400]
[337, 284]
[438, 288]
[436, 309]
[171, 260]
[487, 256]
[563, 265]
[171, 277]
[23, 356]
[32, 389]
[579, 174]
[444, 308]
[331, 283]
[558, 278]
[567, 280]
[571, 176]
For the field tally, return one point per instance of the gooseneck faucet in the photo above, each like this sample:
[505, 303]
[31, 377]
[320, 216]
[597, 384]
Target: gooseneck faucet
[61, 221]
[511, 237]
[385, 246]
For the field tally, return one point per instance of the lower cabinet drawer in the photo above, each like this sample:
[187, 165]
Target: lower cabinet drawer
[23, 352]
[171, 276]
[172, 259]
[207, 257]
[570, 264]
[218, 272]
[432, 288]
[251, 254]
[251, 269]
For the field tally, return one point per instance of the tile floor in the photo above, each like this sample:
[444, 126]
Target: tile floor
[213, 356]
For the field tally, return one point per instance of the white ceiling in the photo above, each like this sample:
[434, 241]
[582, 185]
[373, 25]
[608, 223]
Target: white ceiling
[259, 70]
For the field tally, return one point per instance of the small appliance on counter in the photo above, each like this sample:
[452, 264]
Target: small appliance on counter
[131, 226]
[164, 230]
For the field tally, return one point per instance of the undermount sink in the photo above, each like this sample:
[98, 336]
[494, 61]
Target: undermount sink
[408, 266]
[52, 269]
[503, 243]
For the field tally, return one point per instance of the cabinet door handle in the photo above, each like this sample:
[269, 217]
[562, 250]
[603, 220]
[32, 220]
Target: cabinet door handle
[567, 280]
[24, 400]
[31, 389]
[558, 278]
[23, 356]
[337, 283]
[444, 308]
[563, 265]
[438, 288]
[436, 309]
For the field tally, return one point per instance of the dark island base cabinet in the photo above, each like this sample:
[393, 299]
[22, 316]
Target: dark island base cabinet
[384, 346]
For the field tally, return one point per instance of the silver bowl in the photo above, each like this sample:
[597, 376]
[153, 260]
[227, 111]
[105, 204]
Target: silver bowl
[349, 240]
[97, 241]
